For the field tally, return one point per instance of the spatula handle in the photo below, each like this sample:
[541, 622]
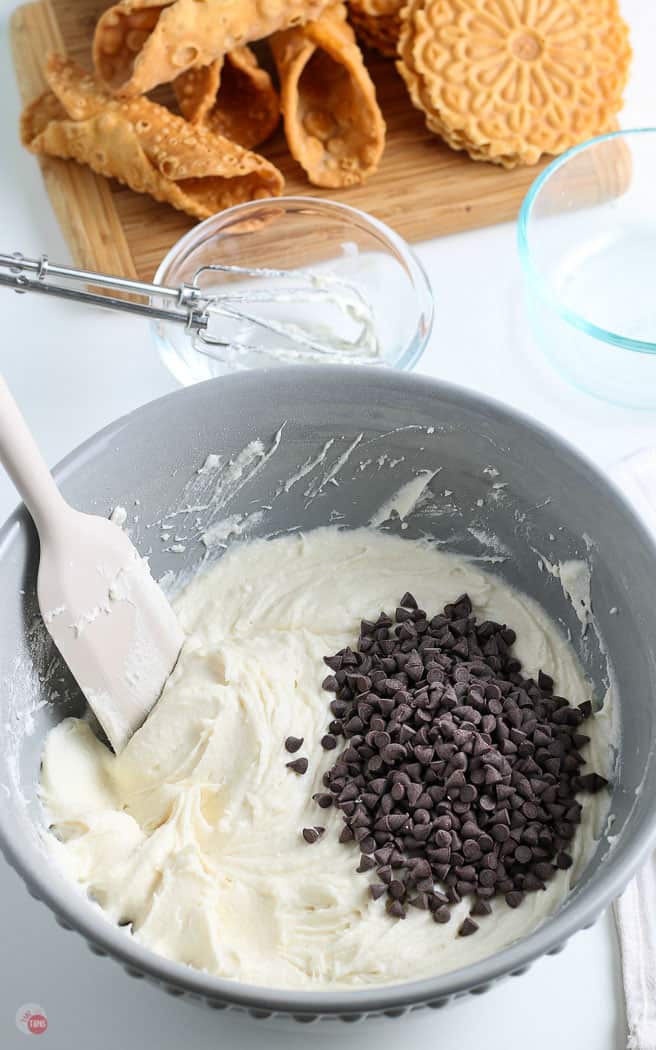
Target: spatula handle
[25, 464]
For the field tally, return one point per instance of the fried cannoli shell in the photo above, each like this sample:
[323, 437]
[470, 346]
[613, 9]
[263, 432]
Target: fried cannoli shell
[143, 145]
[333, 123]
[233, 96]
[141, 43]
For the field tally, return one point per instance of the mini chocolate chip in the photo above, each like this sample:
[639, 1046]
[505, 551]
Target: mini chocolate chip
[532, 882]
[468, 793]
[393, 753]
[299, 765]
[545, 682]
[424, 755]
[592, 782]
[324, 800]
[467, 928]
[312, 835]
[442, 914]
[377, 889]
[293, 743]
[366, 863]
[514, 898]
[481, 907]
[382, 856]
[396, 821]
[543, 870]
[353, 727]
[464, 887]
[469, 830]
[328, 742]
[338, 708]
[408, 601]
[500, 833]
[397, 910]
[523, 855]
[471, 850]
[420, 900]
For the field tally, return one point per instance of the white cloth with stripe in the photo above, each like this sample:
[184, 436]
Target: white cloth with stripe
[635, 910]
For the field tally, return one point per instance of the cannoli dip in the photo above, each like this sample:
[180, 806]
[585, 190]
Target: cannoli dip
[193, 838]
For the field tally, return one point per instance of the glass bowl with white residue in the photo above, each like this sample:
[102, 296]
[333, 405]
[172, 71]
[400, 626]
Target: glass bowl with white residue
[296, 280]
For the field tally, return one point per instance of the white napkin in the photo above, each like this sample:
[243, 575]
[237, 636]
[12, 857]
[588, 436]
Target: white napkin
[635, 915]
[635, 910]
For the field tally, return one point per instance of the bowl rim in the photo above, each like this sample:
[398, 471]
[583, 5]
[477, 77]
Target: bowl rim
[421, 282]
[531, 272]
[71, 905]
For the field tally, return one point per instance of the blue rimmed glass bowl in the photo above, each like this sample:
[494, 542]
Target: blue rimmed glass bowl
[587, 242]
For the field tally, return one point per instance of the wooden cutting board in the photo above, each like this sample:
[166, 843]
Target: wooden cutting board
[423, 189]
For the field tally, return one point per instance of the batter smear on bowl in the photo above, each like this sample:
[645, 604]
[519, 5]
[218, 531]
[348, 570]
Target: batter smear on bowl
[249, 831]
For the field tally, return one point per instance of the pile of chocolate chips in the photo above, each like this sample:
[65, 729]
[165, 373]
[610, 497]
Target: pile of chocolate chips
[459, 775]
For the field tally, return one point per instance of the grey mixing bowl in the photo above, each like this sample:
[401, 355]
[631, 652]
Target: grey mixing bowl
[507, 492]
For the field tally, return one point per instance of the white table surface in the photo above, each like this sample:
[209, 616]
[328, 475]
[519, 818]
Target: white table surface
[73, 371]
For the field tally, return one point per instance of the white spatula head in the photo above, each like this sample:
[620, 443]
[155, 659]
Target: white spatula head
[108, 618]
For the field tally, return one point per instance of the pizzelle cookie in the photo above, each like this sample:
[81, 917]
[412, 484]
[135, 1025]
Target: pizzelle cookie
[510, 80]
[139, 44]
[377, 23]
[333, 123]
[233, 96]
[143, 145]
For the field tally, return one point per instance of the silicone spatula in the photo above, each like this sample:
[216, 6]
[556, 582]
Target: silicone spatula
[107, 616]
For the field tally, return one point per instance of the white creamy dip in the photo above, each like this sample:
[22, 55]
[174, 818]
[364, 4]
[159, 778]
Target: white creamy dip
[193, 834]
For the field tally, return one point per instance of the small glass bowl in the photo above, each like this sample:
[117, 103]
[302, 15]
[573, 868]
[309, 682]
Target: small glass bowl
[587, 242]
[326, 239]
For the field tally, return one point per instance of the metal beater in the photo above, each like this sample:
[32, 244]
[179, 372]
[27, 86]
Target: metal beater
[196, 308]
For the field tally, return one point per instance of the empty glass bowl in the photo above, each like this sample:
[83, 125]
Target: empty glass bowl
[338, 248]
[587, 240]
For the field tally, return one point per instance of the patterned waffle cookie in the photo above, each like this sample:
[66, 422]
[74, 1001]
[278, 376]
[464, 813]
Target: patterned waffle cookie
[510, 80]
